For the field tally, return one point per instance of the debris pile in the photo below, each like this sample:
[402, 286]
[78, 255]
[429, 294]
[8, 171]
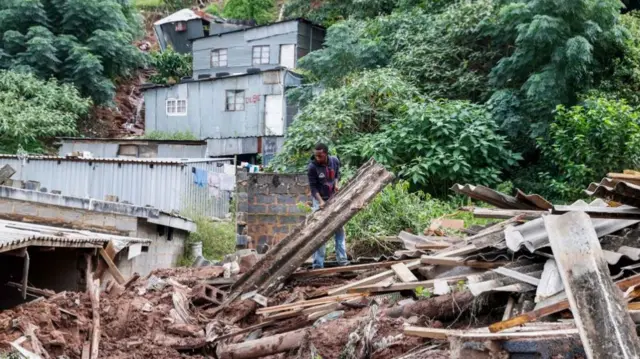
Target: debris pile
[542, 279]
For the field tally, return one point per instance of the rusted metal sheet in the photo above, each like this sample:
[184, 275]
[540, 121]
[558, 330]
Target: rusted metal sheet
[615, 190]
[501, 200]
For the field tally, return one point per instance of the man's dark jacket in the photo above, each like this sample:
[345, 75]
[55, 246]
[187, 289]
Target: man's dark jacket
[323, 178]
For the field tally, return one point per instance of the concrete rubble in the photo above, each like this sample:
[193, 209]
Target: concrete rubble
[551, 290]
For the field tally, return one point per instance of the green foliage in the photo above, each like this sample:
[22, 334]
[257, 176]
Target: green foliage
[176, 136]
[148, 4]
[436, 144]
[176, 5]
[588, 141]
[422, 292]
[214, 9]
[560, 49]
[84, 42]
[32, 109]
[329, 12]
[261, 11]
[218, 239]
[170, 66]
[345, 117]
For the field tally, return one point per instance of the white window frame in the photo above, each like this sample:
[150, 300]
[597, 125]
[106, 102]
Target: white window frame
[263, 56]
[238, 100]
[174, 105]
[219, 53]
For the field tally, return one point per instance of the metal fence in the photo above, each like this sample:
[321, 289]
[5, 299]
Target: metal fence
[164, 184]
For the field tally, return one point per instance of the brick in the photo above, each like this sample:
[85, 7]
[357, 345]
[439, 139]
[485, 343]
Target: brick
[299, 189]
[280, 190]
[277, 209]
[303, 199]
[263, 178]
[265, 199]
[284, 199]
[296, 210]
[254, 208]
[266, 219]
[281, 229]
[290, 219]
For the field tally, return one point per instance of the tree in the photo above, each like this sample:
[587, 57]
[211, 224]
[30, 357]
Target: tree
[261, 11]
[561, 48]
[32, 109]
[84, 42]
[587, 141]
[171, 66]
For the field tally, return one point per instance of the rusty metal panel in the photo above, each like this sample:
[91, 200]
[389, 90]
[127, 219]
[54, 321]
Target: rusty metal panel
[501, 200]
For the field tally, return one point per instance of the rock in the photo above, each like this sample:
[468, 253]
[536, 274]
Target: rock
[248, 261]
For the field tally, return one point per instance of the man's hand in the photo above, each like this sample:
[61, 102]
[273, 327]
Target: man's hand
[336, 189]
[321, 204]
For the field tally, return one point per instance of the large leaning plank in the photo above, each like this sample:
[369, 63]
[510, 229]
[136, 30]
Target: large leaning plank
[283, 259]
[600, 312]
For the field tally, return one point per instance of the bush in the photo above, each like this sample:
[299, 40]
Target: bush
[218, 239]
[170, 66]
[261, 11]
[439, 143]
[588, 141]
[32, 109]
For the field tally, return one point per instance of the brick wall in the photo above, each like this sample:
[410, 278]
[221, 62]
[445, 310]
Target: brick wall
[268, 205]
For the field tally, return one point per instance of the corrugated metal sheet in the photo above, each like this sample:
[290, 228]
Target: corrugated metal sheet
[533, 235]
[501, 200]
[491, 281]
[164, 184]
[108, 148]
[616, 190]
[15, 235]
[151, 161]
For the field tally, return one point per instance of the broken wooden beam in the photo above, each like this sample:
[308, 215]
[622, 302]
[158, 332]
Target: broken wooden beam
[343, 269]
[493, 213]
[308, 303]
[113, 269]
[370, 280]
[395, 287]
[93, 287]
[263, 347]
[270, 273]
[35, 291]
[441, 334]
[605, 327]
[404, 273]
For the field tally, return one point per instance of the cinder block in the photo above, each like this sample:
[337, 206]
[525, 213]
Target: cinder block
[290, 219]
[242, 175]
[282, 189]
[243, 206]
[266, 219]
[281, 229]
[263, 178]
[255, 208]
[265, 199]
[285, 199]
[277, 209]
[303, 198]
[302, 179]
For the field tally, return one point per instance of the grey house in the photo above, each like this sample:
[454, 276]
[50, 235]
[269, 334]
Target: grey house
[239, 114]
[179, 28]
[263, 47]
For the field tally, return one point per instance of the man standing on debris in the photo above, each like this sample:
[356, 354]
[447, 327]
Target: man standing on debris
[324, 175]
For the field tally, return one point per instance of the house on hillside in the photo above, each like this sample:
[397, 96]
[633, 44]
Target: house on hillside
[235, 99]
[178, 29]
[260, 47]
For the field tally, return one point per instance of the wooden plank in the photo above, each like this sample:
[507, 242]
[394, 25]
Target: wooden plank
[115, 273]
[433, 246]
[459, 261]
[442, 334]
[605, 327]
[6, 172]
[370, 280]
[308, 303]
[517, 275]
[600, 212]
[634, 306]
[507, 213]
[404, 273]
[431, 333]
[350, 268]
[509, 308]
[101, 266]
[405, 286]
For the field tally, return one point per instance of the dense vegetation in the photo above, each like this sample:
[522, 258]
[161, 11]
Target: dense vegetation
[542, 94]
[88, 43]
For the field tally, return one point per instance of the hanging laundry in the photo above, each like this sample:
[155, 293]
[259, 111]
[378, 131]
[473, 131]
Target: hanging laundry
[229, 169]
[200, 177]
[214, 182]
[227, 182]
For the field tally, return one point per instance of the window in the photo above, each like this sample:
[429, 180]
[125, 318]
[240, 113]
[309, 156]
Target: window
[260, 55]
[176, 107]
[181, 26]
[235, 100]
[219, 58]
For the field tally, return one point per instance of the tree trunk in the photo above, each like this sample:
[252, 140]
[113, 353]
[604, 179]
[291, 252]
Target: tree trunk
[283, 259]
[263, 347]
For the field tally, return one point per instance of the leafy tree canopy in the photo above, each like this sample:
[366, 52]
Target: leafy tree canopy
[170, 66]
[261, 11]
[87, 43]
[31, 109]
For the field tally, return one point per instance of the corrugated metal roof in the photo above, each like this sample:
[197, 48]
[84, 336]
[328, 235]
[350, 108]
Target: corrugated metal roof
[491, 281]
[533, 235]
[134, 139]
[501, 200]
[616, 190]
[14, 235]
[151, 161]
[181, 15]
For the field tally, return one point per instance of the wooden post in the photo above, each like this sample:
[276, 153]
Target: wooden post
[263, 347]
[93, 287]
[600, 312]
